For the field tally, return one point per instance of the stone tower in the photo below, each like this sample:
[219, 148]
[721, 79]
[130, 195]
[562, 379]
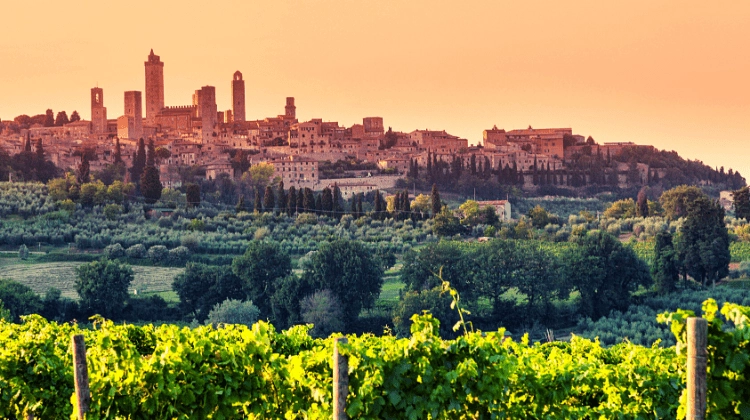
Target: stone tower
[238, 97]
[154, 87]
[130, 125]
[98, 111]
[205, 102]
[290, 109]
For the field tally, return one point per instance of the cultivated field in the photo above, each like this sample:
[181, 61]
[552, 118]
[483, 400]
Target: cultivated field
[61, 275]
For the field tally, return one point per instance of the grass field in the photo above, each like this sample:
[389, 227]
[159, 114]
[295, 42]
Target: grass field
[61, 275]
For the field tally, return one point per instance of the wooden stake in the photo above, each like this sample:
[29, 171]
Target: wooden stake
[81, 376]
[340, 381]
[697, 357]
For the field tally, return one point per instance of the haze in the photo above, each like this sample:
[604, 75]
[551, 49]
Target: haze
[674, 75]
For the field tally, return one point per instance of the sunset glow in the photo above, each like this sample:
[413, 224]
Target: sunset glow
[674, 75]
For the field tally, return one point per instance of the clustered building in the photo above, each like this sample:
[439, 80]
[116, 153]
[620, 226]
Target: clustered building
[199, 134]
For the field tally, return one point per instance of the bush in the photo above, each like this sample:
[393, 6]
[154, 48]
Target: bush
[114, 251]
[324, 311]
[190, 242]
[179, 255]
[157, 253]
[23, 252]
[136, 251]
[233, 311]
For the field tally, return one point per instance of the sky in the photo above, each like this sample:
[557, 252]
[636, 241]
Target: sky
[675, 75]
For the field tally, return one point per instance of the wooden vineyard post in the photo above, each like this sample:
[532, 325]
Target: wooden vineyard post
[697, 357]
[340, 381]
[81, 376]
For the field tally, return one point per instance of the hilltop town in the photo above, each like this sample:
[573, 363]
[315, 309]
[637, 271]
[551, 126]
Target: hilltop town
[222, 143]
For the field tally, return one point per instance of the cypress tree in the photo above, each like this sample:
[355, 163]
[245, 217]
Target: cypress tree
[83, 169]
[291, 206]
[150, 183]
[338, 209]
[308, 202]
[436, 204]
[327, 201]
[257, 205]
[378, 205]
[359, 205]
[282, 198]
[139, 163]
[353, 207]
[240, 204]
[319, 204]
[268, 199]
[300, 201]
[117, 158]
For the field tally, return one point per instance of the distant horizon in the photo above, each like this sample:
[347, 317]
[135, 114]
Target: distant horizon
[676, 78]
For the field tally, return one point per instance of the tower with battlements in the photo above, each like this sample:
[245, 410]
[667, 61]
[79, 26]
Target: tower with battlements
[238, 97]
[154, 87]
[98, 111]
[205, 102]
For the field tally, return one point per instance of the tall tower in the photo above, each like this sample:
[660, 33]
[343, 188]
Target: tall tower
[205, 102]
[154, 87]
[130, 125]
[238, 97]
[291, 110]
[98, 111]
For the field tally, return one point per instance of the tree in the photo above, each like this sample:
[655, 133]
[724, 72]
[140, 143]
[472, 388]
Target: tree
[61, 119]
[193, 194]
[539, 217]
[268, 199]
[291, 207]
[337, 208]
[49, 118]
[201, 286]
[308, 202]
[117, 157]
[676, 200]
[435, 301]
[257, 203]
[324, 311]
[260, 268]
[39, 154]
[621, 209]
[350, 271]
[436, 203]
[18, 299]
[326, 201]
[240, 204]
[446, 224]
[151, 186]
[704, 241]
[75, 117]
[664, 269]
[282, 198]
[642, 203]
[742, 203]
[139, 163]
[232, 311]
[103, 287]
[259, 175]
[604, 272]
[83, 170]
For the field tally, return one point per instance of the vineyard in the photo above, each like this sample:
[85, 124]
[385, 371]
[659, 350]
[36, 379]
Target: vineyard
[238, 372]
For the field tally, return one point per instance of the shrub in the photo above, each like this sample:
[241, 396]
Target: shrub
[190, 242]
[324, 311]
[114, 251]
[179, 254]
[233, 311]
[136, 251]
[23, 252]
[157, 253]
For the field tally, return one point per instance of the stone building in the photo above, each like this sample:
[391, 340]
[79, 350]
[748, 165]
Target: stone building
[154, 87]
[205, 101]
[98, 112]
[238, 98]
[130, 125]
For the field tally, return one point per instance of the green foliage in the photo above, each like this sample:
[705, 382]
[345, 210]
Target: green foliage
[233, 312]
[621, 209]
[18, 299]
[728, 394]
[103, 287]
[201, 286]
[260, 268]
[145, 372]
[539, 217]
[703, 246]
[324, 311]
[665, 270]
[23, 252]
[742, 203]
[349, 270]
[676, 201]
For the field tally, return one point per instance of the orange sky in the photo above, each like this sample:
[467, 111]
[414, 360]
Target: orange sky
[672, 74]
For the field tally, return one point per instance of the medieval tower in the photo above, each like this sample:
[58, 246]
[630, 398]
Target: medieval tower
[205, 102]
[291, 110]
[238, 97]
[98, 111]
[130, 125]
[154, 87]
